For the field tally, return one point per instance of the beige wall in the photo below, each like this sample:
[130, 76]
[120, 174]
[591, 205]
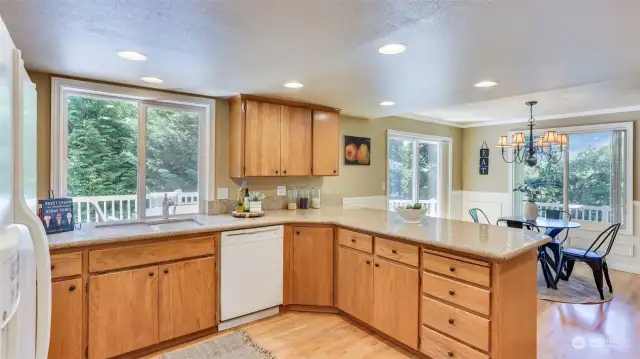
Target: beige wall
[498, 178]
[354, 181]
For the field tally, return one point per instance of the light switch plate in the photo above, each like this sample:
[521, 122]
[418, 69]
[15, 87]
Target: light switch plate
[281, 190]
[384, 186]
[223, 193]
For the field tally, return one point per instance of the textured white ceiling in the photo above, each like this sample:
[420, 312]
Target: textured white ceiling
[225, 47]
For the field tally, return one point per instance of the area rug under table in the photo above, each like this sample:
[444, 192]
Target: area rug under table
[237, 345]
[579, 289]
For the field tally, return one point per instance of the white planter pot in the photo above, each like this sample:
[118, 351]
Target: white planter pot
[255, 206]
[530, 211]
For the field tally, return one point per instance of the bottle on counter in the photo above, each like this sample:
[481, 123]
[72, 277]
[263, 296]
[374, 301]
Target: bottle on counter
[240, 201]
[245, 194]
[315, 197]
[292, 196]
[303, 198]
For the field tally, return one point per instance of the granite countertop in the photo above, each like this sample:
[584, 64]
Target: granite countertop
[486, 241]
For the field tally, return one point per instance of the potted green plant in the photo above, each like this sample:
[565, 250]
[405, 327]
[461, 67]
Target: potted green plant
[255, 201]
[531, 195]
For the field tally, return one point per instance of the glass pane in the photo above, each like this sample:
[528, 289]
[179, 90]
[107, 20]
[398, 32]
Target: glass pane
[102, 158]
[172, 160]
[428, 175]
[400, 172]
[590, 162]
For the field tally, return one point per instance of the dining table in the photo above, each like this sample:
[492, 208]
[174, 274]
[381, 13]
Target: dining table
[552, 227]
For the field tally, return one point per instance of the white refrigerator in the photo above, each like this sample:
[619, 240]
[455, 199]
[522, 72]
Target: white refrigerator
[24, 250]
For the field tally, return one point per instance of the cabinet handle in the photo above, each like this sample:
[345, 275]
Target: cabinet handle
[452, 292]
[394, 251]
[166, 271]
[451, 321]
[72, 288]
[150, 274]
[368, 262]
[377, 265]
[450, 354]
[452, 268]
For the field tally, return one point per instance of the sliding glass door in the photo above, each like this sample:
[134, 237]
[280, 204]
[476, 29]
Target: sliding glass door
[418, 171]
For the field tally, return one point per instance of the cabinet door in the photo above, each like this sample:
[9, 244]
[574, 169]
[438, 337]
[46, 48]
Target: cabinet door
[326, 143]
[355, 283]
[123, 312]
[395, 301]
[262, 139]
[186, 297]
[313, 266]
[295, 149]
[66, 319]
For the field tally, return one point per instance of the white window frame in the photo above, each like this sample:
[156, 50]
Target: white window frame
[588, 225]
[62, 88]
[443, 191]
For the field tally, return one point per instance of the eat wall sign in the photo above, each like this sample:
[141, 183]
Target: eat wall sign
[484, 158]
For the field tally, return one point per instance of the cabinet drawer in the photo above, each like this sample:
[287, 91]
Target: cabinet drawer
[460, 324]
[438, 346]
[355, 240]
[397, 251]
[458, 269]
[65, 265]
[130, 256]
[465, 295]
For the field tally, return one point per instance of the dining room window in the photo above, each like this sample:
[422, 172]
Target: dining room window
[418, 171]
[592, 181]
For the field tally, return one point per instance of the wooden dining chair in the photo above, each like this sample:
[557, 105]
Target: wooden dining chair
[542, 255]
[591, 257]
[473, 212]
[559, 214]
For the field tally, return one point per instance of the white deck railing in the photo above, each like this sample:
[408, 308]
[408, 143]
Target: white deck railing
[580, 212]
[89, 209]
[432, 205]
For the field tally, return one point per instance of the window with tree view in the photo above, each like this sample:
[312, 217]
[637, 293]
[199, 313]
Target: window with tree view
[104, 138]
[589, 182]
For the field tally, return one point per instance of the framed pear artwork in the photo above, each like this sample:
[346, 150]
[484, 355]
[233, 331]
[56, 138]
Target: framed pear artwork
[357, 151]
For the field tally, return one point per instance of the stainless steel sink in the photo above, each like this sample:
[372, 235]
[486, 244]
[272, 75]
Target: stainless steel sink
[156, 224]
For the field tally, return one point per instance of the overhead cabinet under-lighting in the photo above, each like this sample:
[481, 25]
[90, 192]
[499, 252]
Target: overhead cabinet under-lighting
[272, 138]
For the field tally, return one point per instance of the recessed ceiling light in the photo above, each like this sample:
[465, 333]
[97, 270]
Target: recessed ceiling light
[387, 103]
[151, 79]
[293, 85]
[485, 84]
[132, 55]
[393, 49]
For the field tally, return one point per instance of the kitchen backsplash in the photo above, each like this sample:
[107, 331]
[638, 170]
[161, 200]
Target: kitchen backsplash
[225, 206]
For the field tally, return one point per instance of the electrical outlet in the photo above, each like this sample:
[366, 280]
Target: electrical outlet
[223, 193]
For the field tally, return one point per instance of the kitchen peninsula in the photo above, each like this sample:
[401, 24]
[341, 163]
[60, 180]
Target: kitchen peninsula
[444, 288]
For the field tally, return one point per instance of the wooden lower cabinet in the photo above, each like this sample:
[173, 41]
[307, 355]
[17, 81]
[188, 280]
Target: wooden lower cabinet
[66, 319]
[186, 297]
[313, 266]
[355, 283]
[395, 301]
[123, 312]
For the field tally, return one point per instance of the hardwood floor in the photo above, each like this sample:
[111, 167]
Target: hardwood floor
[610, 330]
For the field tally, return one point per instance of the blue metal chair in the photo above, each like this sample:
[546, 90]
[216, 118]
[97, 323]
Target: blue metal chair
[473, 212]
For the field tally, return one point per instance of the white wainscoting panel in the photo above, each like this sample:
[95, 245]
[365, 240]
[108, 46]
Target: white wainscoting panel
[494, 204]
[455, 207]
[375, 202]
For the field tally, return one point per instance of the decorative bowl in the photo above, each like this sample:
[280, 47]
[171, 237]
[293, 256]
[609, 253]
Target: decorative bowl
[411, 215]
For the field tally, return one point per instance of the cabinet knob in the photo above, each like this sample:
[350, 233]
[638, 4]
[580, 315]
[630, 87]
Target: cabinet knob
[353, 240]
[150, 274]
[298, 232]
[276, 171]
[451, 321]
[394, 251]
[377, 265]
[52, 267]
[450, 354]
[451, 292]
[72, 288]
[452, 268]
[368, 262]
[334, 171]
[166, 271]
[285, 171]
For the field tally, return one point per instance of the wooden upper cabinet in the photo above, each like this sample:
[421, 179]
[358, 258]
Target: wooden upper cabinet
[326, 143]
[355, 283]
[275, 137]
[123, 312]
[395, 301]
[262, 139]
[313, 266]
[66, 319]
[295, 145]
[186, 297]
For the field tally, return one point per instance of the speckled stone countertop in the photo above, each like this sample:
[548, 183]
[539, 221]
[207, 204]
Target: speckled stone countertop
[485, 241]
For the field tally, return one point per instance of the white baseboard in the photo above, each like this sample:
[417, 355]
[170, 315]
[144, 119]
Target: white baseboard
[231, 323]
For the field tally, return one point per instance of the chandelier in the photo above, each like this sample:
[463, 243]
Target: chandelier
[549, 147]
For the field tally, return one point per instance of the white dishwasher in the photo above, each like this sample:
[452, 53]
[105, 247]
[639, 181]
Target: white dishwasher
[251, 275]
